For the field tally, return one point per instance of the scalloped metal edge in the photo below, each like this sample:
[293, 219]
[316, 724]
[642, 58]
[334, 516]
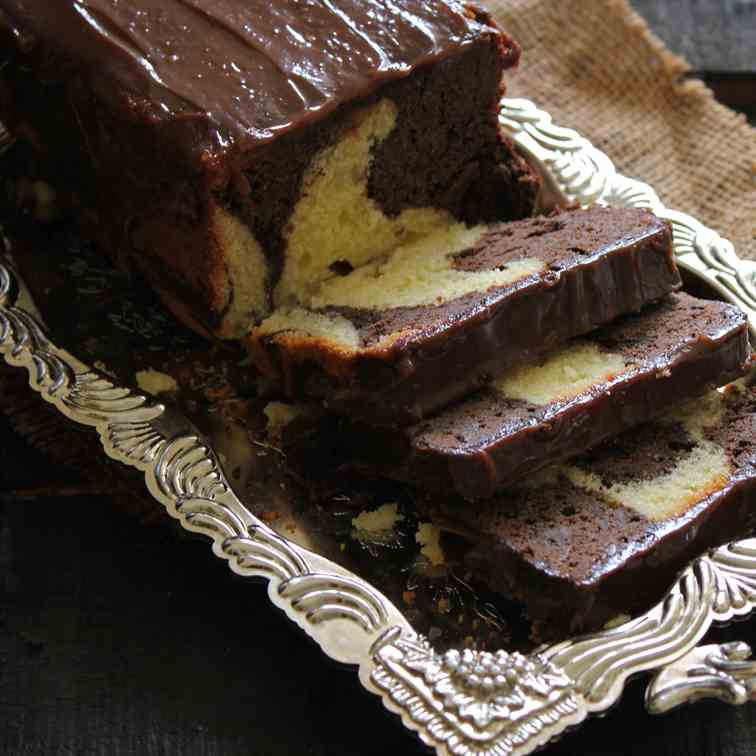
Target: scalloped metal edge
[463, 702]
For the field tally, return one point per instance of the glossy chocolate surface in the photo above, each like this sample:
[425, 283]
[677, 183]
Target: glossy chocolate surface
[257, 68]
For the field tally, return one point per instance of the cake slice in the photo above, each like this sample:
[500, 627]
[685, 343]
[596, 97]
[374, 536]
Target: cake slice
[236, 150]
[605, 535]
[394, 340]
[565, 402]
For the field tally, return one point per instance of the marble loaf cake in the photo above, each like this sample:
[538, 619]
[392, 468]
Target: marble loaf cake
[606, 534]
[565, 402]
[239, 152]
[397, 339]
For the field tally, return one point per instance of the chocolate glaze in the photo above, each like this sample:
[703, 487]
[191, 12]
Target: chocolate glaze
[254, 69]
[599, 263]
[576, 561]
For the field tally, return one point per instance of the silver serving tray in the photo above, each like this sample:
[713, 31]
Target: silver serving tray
[528, 699]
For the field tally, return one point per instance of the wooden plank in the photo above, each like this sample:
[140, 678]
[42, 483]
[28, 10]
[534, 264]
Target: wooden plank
[714, 35]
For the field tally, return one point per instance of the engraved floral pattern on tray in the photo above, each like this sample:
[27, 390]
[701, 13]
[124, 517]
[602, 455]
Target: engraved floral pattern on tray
[462, 702]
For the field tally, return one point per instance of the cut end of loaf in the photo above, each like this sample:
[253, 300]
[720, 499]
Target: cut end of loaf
[336, 226]
[335, 221]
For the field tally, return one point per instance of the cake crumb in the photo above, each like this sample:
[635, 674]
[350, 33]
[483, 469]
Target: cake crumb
[47, 209]
[409, 597]
[155, 382]
[429, 537]
[39, 198]
[620, 619]
[380, 520]
[281, 414]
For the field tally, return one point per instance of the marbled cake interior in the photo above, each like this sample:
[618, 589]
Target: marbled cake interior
[606, 532]
[414, 329]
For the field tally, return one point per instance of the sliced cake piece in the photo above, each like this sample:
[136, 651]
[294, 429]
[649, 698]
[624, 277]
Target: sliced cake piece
[233, 150]
[392, 341]
[567, 401]
[605, 535]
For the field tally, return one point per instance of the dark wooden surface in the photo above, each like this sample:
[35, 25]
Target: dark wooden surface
[117, 639]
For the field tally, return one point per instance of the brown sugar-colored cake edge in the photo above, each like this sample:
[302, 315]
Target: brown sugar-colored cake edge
[589, 267]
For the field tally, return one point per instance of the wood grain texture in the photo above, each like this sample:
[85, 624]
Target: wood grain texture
[714, 35]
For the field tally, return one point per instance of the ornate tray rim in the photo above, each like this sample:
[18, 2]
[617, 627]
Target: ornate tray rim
[463, 702]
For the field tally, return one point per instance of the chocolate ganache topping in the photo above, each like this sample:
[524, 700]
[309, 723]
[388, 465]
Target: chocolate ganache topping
[253, 68]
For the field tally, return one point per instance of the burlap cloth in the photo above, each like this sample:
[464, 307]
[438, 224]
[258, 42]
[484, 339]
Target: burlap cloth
[596, 67]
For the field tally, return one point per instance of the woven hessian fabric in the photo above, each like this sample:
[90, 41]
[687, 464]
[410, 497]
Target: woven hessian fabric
[596, 67]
